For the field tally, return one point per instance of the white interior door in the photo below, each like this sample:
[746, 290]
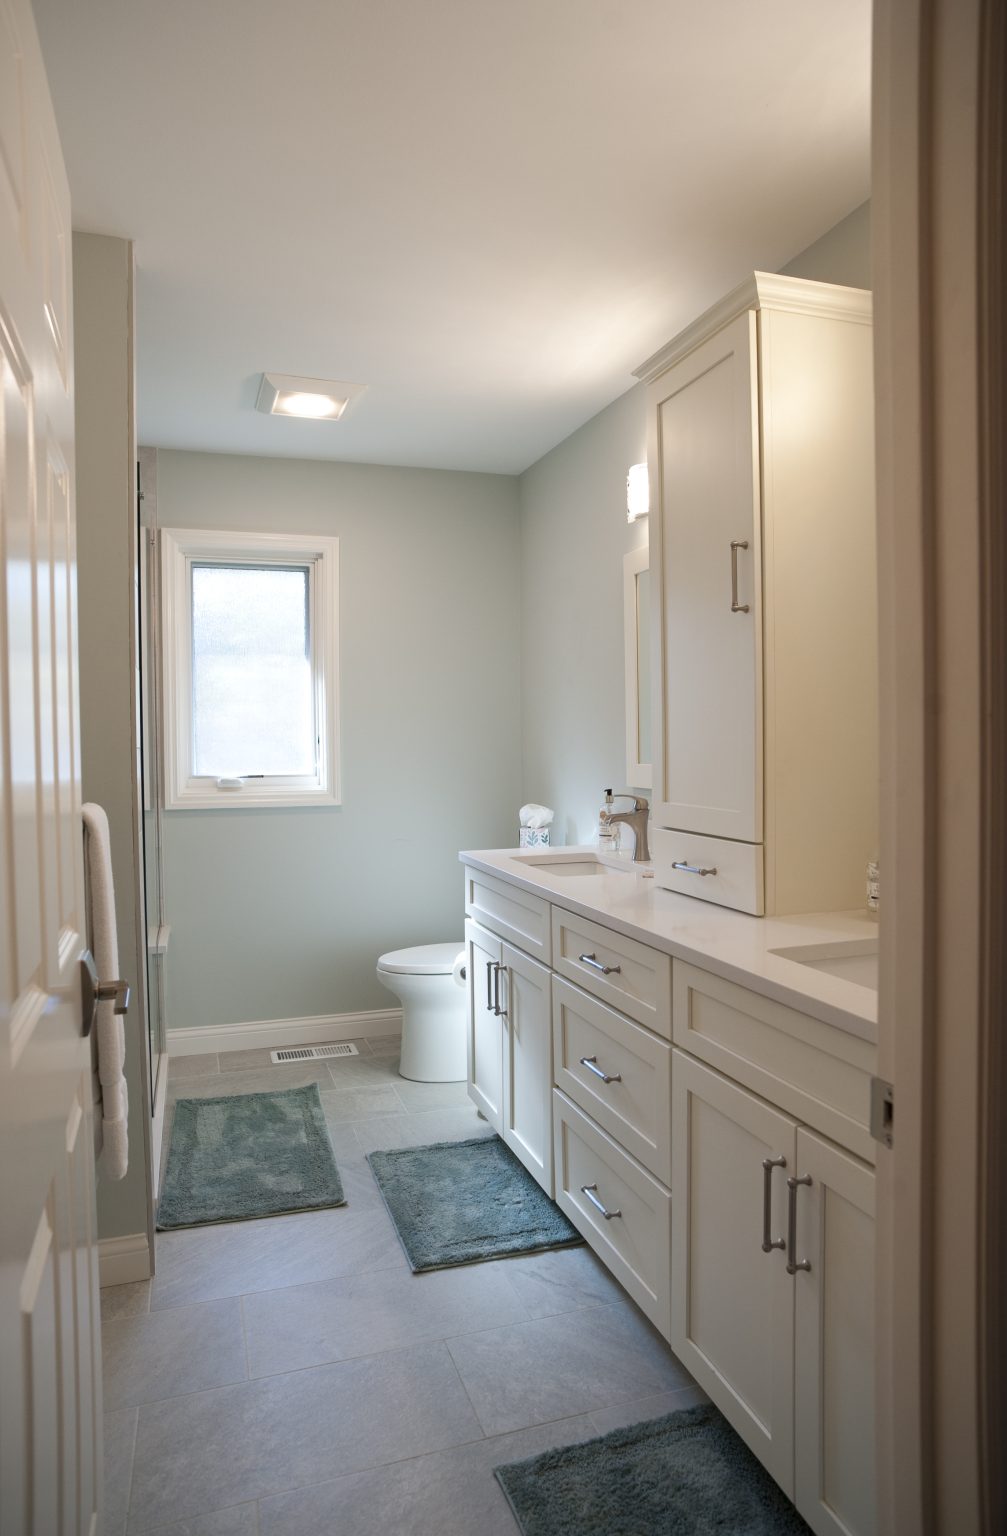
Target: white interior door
[50, 1385]
[708, 751]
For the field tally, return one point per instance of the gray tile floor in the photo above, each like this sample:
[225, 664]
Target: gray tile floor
[291, 1376]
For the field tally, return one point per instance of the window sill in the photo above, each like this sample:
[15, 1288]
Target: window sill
[249, 799]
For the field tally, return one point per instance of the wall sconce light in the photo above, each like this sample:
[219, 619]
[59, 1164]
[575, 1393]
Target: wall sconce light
[637, 492]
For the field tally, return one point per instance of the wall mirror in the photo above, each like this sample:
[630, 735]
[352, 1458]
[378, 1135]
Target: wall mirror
[636, 618]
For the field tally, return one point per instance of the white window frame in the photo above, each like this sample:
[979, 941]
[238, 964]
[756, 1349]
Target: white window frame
[181, 548]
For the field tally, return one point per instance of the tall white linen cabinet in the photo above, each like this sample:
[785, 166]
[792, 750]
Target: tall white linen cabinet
[762, 555]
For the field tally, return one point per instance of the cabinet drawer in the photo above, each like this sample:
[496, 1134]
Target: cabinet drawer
[510, 912]
[635, 1107]
[736, 879]
[817, 1073]
[635, 1242]
[638, 980]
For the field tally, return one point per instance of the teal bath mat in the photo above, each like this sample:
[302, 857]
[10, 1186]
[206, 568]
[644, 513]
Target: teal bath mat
[245, 1155]
[687, 1474]
[461, 1202]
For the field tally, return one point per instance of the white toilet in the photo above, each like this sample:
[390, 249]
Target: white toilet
[429, 982]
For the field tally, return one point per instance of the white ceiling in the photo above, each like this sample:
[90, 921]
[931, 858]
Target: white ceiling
[490, 211]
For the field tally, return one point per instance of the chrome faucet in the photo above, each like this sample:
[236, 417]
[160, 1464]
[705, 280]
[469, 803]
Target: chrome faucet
[637, 819]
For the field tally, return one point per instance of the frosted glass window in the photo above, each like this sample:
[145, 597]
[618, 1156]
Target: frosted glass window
[253, 711]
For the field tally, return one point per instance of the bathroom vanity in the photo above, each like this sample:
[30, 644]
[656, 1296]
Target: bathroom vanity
[692, 1086]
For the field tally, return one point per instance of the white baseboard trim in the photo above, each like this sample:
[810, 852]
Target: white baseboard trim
[123, 1259]
[276, 1034]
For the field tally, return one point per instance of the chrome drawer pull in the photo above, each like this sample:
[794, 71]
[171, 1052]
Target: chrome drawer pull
[589, 1190]
[591, 1062]
[769, 1242]
[736, 544]
[606, 970]
[692, 869]
[793, 1262]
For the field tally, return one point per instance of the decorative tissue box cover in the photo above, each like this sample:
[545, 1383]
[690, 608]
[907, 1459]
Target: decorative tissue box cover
[533, 837]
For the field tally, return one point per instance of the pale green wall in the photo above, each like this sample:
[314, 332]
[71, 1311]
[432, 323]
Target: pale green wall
[105, 479]
[573, 537]
[281, 914]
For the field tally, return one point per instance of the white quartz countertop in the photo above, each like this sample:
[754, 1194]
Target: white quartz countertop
[731, 944]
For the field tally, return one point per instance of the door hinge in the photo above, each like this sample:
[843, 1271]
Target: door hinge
[882, 1123]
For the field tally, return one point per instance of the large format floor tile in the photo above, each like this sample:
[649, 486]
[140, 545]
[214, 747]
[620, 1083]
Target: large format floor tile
[557, 1367]
[239, 1520]
[313, 1324]
[212, 1449]
[420, 1096]
[125, 1300]
[262, 1080]
[360, 1103]
[449, 1493]
[637, 1409]
[193, 1066]
[120, 1436]
[163, 1354]
[200, 1263]
[560, 1280]
[419, 1130]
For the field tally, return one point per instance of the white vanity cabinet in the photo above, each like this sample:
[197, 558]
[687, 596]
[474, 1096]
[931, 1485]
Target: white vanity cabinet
[509, 1016]
[762, 555]
[772, 1293]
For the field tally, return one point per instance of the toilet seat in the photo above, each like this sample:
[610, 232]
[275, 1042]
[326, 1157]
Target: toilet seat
[421, 960]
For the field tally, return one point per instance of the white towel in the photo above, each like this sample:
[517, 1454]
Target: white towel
[109, 1025]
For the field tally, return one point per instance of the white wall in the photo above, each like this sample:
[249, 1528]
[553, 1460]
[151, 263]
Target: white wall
[281, 914]
[573, 537]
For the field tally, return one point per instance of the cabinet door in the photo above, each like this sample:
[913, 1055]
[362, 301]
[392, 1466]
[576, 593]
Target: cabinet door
[527, 1054]
[709, 747]
[834, 1299]
[484, 1027]
[732, 1319]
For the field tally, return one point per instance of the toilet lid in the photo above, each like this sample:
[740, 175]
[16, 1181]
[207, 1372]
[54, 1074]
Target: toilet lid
[422, 960]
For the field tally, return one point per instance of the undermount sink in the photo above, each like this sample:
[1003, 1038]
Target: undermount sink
[583, 864]
[853, 960]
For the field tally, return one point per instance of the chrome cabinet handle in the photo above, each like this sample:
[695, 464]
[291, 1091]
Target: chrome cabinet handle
[498, 1008]
[489, 985]
[793, 1262]
[768, 1241]
[591, 1062]
[692, 869]
[591, 1190]
[606, 970]
[736, 544]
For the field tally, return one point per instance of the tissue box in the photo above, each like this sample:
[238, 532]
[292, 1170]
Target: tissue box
[533, 837]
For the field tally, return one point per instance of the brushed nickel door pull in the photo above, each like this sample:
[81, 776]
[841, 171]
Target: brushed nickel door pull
[591, 1062]
[691, 869]
[793, 1262]
[736, 544]
[591, 1190]
[606, 970]
[498, 1008]
[489, 986]
[768, 1241]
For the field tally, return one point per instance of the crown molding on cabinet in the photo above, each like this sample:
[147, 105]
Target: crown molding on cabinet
[763, 290]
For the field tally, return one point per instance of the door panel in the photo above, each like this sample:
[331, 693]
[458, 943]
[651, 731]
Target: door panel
[710, 751]
[834, 1449]
[527, 1046]
[732, 1303]
[484, 1029]
[50, 1388]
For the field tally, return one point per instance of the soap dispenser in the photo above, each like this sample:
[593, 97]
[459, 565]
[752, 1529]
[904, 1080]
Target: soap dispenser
[608, 836]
